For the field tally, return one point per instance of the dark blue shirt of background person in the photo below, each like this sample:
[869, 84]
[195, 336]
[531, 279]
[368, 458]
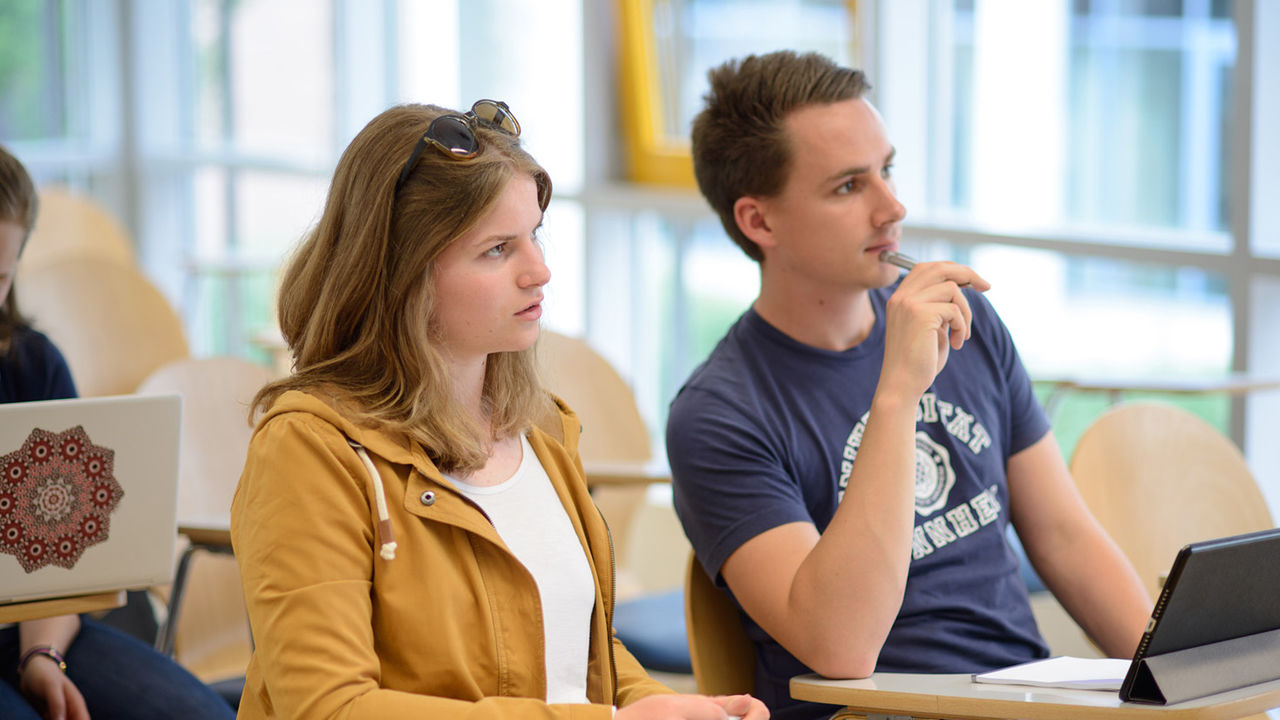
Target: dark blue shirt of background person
[33, 369]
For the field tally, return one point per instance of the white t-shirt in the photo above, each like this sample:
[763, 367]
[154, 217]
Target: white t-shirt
[531, 520]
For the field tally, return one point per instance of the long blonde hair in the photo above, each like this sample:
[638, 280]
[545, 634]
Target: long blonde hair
[356, 301]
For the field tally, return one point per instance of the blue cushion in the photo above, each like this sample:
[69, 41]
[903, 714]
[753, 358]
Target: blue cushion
[230, 690]
[652, 628]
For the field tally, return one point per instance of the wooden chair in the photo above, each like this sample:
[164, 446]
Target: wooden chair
[71, 225]
[207, 628]
[1158, 477]
[111, 323]
[613, 429]
[724, 660]
[648, 541]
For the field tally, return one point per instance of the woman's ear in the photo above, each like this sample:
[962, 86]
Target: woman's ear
[750, 215]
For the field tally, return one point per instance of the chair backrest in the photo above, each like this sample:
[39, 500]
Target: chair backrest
[211, 637]
[723, 658]
[1157, 477]
[613, 429]
[71, 225]
[216, 393]
[113, 326]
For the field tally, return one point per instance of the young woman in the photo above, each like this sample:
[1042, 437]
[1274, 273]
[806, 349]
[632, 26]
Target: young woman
[413, 528]
[67, 666]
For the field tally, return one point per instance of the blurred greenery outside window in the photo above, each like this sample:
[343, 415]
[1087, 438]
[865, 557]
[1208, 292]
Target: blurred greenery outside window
[1126, 133]
[32, 70]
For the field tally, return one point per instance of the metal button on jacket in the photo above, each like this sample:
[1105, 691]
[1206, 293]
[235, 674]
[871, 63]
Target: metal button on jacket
[428, 497]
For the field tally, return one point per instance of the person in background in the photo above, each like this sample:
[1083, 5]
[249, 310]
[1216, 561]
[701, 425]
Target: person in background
[31, 367]
[413, 527]
[849, 457]
[70, 667]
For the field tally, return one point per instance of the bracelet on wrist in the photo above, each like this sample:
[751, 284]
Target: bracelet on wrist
[48, 651]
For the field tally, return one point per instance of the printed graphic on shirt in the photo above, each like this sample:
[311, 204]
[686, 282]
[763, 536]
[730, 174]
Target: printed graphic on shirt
[935, 475]
[955, 524]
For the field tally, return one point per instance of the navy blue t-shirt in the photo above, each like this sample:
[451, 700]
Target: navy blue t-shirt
[33, 369]
[765, 433]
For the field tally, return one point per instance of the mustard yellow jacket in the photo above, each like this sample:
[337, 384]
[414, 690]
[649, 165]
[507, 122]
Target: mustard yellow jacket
[450, 628]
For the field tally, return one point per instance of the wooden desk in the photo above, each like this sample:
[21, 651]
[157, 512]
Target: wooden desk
[73, 605]
[958, 698]
[626, 473]
[1115, 386]
[209, 532]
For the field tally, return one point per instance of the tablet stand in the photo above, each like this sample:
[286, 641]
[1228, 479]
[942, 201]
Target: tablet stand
[1208, 669]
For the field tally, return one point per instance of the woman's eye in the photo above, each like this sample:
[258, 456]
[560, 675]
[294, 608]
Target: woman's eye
[848, 187]
[887, 171]
[496, 250]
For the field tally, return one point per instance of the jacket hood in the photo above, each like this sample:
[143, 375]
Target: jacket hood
[398, 447]
[561, 425]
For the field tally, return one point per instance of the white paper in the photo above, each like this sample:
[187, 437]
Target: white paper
[1062, 672]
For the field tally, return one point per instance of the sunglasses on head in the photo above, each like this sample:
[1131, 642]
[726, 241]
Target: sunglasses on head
[454, 134]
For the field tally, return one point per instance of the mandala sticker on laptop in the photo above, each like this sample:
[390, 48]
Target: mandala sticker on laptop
[56, 498]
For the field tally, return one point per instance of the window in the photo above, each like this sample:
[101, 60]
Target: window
[1113, 160]
[1080, 130]
[1089, 114]
[1084, 156]
[239, 109]
[59, 95]
[665, 46]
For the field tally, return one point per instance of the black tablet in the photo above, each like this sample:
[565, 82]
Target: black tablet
[1219, 593]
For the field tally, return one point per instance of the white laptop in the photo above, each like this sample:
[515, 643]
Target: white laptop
[88, 495]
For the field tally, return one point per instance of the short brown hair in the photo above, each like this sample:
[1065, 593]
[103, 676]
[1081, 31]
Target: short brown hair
[19, 203]
[355, 303]
[740, 147]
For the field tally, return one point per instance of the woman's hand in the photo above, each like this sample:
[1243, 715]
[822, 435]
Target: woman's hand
[742, 706]
[51, 691]
[694, 707]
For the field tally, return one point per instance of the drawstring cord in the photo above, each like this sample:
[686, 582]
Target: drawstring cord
[385, 536]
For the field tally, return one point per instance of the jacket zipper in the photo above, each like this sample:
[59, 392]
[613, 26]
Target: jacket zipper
[613, 600]
[613, 583]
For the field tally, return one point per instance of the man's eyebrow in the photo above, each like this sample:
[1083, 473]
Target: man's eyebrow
[860, 170]
[847, 172]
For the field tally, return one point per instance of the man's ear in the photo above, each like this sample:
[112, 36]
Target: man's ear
[750, 215]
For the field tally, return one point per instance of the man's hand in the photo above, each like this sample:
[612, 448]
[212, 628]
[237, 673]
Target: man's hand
[925, 317]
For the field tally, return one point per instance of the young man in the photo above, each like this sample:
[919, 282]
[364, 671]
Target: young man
[848, 458]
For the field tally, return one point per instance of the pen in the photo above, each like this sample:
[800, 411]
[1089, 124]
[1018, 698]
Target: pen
[896, 258]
